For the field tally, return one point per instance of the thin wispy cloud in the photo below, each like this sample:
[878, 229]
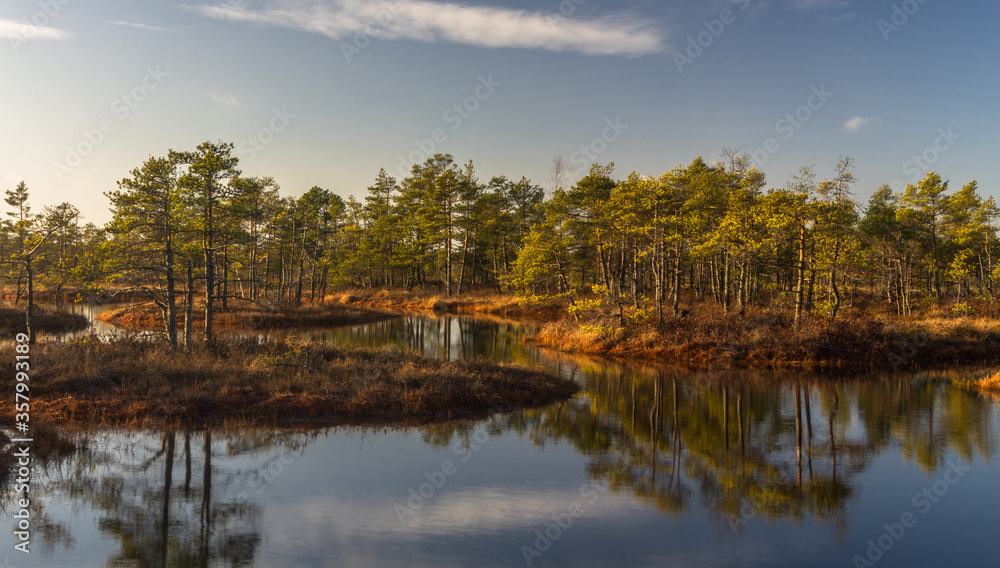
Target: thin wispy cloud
[423, 20]
[856, 123]
[10, 29]
[138, 25]
[228, 99]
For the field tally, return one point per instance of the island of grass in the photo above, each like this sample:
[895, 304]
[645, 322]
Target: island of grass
[245, 381]
[147, 316]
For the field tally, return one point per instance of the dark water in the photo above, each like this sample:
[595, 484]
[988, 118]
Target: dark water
[648, 466]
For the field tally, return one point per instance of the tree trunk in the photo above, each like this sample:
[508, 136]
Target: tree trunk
[225, 278]
[171, 322]
[465, 260]
[726, 295]
[677, 283]
[209, 293]
[836, 293]
[30, 314]
[799, 287]
[189, 305]
[298, 287]
[447, 248]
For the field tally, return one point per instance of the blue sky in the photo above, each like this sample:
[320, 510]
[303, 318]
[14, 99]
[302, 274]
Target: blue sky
[326, 92]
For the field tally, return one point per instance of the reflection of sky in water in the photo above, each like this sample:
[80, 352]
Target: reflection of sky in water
[334, 505]
[334, 502]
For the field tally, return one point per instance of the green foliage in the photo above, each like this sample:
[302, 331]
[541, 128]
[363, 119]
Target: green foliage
[962, 310]
[643, 245]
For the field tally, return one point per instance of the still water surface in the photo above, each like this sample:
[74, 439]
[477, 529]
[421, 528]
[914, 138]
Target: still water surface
[647, 466]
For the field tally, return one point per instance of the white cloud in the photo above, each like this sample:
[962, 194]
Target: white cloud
[427, 21]
[228, 99]
[138, 25]
[10, 29]
[856, 123]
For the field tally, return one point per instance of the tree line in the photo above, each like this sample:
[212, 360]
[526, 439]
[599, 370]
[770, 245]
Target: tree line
[718, 232]
[190, 222]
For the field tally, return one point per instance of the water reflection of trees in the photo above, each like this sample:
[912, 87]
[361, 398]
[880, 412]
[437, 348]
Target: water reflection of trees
[754, 445]
[50, 450]
[178, 498]
[444, 337]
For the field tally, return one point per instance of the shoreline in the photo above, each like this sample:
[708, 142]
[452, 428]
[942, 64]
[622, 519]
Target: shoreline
[248, 382]
[469, 303]
[767, 340]
[146, 316]
[759, 339]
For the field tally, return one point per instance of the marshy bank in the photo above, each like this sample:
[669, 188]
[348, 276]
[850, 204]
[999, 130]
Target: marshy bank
[480, 302]
[147, 316]
[246, 381]
[768, 339]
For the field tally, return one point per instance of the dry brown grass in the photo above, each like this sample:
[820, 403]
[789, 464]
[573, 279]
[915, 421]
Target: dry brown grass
[245, 381]
[487, 302]
[990, 384]
[147, 316]
[765, 338]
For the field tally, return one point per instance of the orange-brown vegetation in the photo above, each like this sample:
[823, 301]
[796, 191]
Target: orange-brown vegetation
[148, 316]
[767, 338]
[245, 381]
[484, 302]
[990, 384]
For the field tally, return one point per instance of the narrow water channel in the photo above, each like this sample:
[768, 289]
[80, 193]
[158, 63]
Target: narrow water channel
[647, 466]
